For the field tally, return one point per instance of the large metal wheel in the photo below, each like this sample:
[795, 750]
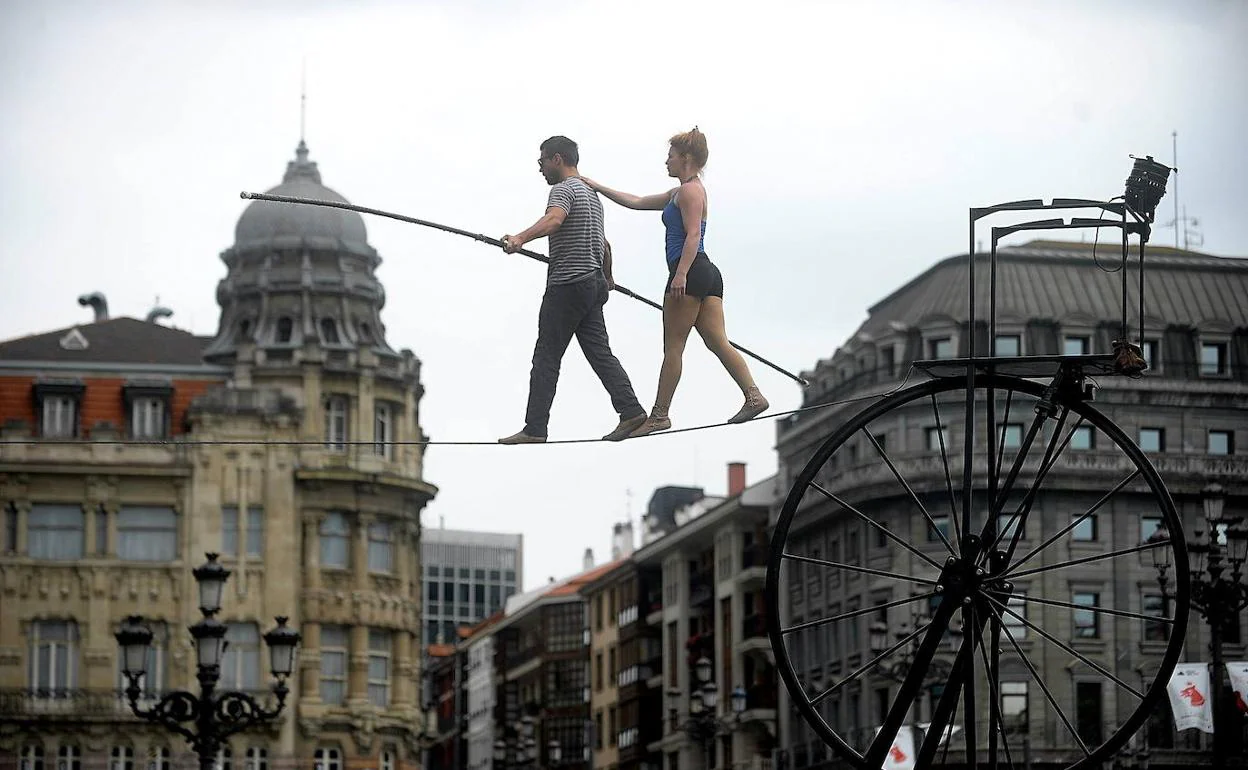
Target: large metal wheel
[975, 576]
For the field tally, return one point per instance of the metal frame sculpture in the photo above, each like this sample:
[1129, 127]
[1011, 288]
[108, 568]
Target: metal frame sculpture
[972, 588]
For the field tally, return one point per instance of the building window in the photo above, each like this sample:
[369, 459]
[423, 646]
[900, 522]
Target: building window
[229, 530]
[121, 758]
[147, 534]
[335, 541]
[147, 419]
[333, 665]
[1221, 442]
[32, 757]
[940, 347]
[1008, 345]
[255, 531]
[1152, 354]
[1088, 712]
[152, 683]
[1087, 622]
[56, 532]
[329, 331]
[256, 758]
[285, 329]
[1084, 437]
[1008, 524]
[1213, 359]
[1012, 435]
[1014, 706]
[1086, 529]
[383, 430]
[58, 408]
[1076, 346]
[159, 758]
[336, 423]
[387, 759]
[53, 662]
[942, 526]
[327, 759]
[1152, 439]
[68, 757]
[1014, 623]
[240, 665]
[935, 437]
[888, 360]
[381, 548]
[1154, 630]
[225, 759]
[379, 651]
[10, 528]
[1148, 526]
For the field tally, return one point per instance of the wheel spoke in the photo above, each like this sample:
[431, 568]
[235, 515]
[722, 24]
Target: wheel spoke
[995, 471]
[1066, 647]
[855, 613]
[995, 723]
[1086, 559]
[1075, 522]
[887, 532]
[870, 664]
[909, 490]
[944, 459]
[968, 703]
[1046, 465]
[1035, 675]
[1100, 610]
[855, 568]
[943, 714]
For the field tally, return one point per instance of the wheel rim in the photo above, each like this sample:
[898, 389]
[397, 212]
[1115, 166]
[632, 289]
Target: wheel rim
[1002, 589]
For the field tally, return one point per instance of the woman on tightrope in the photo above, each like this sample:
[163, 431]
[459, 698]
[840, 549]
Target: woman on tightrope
[694, 295]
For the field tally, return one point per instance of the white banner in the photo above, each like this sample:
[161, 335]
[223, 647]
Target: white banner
[1239, 682]
[901, 754]
[1190, 699]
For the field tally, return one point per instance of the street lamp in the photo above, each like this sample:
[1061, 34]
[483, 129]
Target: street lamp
[215, 717]
[703, 724]
[1218, 590]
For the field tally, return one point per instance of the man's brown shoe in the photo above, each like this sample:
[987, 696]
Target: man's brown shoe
[624, 428]
[522, 438]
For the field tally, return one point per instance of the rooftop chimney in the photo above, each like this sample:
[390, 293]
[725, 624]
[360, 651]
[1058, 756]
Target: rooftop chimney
[736, 479]
[588, 563]
[622, 540]
[98, 303]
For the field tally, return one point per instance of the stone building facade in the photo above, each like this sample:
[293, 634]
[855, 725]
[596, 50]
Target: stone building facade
[1187, 413]
[279, 443]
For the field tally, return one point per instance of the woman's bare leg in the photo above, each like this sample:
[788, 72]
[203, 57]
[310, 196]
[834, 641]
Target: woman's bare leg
[710, 325]
[679, 315]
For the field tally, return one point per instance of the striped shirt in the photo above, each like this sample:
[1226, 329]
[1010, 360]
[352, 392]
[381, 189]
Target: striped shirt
[576, 248]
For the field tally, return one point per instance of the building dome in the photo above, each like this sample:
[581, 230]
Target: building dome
[267, 223]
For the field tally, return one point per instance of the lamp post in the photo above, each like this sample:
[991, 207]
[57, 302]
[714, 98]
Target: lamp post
[703, 725]
[214, 716]
[1219, 597]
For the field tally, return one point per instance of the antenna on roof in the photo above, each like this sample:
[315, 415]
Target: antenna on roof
[303, 100]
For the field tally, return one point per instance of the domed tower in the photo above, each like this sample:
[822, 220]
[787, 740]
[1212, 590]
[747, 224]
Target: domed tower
[300, 278]
[314, 442]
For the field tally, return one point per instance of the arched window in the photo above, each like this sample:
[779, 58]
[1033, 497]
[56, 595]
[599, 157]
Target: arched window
[32, 757]
[327, 759]
[285, 329]
[329, 331]
[244, 329]
[68, 757]
[366, 332]
[257, 759]
[121, 758]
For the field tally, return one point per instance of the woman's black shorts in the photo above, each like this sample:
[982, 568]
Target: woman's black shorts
[703, 280]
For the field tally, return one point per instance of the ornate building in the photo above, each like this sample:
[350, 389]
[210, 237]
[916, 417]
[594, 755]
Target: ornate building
[277, 443]
[1186, 412]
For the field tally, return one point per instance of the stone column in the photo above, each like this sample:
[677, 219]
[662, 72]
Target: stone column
[312, 549]
[359, 555]
[310, 661]
[357, 672]
[23, 525]
[403, 670]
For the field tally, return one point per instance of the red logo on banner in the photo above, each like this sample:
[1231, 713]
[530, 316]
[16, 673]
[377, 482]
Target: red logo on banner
[897, 754]
[1192, 694]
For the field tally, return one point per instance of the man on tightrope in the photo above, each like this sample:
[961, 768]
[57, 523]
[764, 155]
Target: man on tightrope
[578, 283]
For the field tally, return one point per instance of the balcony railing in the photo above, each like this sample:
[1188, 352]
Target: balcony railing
[75, 704]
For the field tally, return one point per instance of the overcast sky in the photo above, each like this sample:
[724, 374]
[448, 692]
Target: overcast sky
[847, 141]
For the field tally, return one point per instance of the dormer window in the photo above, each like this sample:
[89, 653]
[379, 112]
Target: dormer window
[285, 329]
[244, 330]
[148, 408]
[1213, 359]
[58, 406]
[366, 332]
[329, 331]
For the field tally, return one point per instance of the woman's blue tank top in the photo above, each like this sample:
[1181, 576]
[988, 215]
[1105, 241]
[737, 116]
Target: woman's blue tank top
[676, 232]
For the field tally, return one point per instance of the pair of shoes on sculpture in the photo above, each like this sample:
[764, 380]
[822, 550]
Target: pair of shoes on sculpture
[522, 438]
[657, 421]
[625, 428]
[755, 404]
